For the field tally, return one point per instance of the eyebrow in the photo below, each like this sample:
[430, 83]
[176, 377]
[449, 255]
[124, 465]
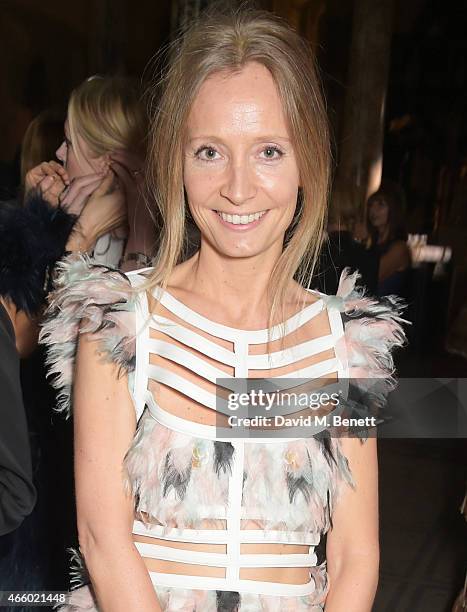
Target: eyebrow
[265, 138]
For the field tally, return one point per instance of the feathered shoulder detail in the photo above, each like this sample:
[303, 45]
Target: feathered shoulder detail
[87, 298]
[373, 329]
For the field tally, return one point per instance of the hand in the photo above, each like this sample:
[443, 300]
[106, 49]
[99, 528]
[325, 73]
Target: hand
[104, 212]
[50, 178]
[80, 189]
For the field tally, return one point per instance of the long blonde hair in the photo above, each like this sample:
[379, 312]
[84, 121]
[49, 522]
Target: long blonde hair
[227, 41]
[107, 112]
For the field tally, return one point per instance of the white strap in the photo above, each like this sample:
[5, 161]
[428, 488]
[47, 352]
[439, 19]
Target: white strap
[317, 370]
[241, 586]
[187, 359]
[219, 536]
[140, 384]
[219, 330]
[213, 432]
[191, 390]
[211, 559]
[190, 338]
[290, 355]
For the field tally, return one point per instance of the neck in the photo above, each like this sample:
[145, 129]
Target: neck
[243, 281]
[383, 233]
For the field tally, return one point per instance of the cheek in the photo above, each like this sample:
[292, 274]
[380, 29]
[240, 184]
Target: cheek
[199, 185]
[280, 186]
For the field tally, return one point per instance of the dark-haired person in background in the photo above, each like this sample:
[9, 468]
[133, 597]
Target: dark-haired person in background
[388, 239]
[33, 238]
[340, 250]
[17, 492]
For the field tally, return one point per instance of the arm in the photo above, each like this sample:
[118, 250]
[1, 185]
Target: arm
[104, 422]
[352, 544]
[17, 493]
[397, 258]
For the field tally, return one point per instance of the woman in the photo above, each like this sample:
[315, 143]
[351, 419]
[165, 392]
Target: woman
[341, 250]
[41, 139]
[388, 237]
[203, 520]
[105, 129]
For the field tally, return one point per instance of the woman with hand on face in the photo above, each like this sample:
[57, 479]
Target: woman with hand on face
[176, 512]
[105, 132]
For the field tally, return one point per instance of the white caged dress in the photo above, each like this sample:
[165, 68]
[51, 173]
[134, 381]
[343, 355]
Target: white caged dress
[191, 482]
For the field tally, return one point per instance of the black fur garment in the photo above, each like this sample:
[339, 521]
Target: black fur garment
[32, 239]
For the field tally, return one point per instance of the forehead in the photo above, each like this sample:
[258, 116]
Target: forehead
[380, 201]
[246, 100]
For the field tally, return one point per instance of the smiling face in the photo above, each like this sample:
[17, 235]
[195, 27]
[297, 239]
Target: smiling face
[240, 172]
[81, 164]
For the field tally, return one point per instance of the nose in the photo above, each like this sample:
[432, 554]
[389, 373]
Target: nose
[239, 186]
[61, 152]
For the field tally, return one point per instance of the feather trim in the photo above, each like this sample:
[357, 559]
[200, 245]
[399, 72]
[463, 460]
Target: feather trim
[373, 329]
[78, 571]
[32, 239]
[87, 299]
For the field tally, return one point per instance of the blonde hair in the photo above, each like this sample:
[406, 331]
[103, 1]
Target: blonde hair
[227, 41]
[108, 115]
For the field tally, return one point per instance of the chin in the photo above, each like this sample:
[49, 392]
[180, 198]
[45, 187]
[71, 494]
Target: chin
[241, 251]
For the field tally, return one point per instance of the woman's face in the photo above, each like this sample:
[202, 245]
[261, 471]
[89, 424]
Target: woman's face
[378, 213]
[75, 165]
[240, 173]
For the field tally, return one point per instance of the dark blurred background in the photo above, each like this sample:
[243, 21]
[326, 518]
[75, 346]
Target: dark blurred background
[395, 77]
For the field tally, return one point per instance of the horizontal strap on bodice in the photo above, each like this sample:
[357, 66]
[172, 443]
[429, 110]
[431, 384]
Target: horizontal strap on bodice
[220, 536]
[233, 334]
[211, 559]
[290, 355]
[208, 399]
[317, 370]
[241, 586]
[224, 434]
[190, 338]
[187, 359]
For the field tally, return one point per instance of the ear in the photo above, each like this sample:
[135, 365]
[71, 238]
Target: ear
[102, 162]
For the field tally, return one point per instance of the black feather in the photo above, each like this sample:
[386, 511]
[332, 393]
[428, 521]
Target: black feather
[227, 601]
[223, 453]
[174, 478]
[32, 239]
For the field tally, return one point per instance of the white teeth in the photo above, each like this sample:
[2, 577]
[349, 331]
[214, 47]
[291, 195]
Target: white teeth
[241, 220]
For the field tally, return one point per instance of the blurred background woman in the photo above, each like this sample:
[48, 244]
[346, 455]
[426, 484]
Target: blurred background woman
[388, 237]
[105, 129]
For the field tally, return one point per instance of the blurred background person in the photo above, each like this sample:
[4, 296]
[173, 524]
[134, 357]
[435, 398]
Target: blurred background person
[36, 515]
[388, 239]
[340, 249]
[41, 139]
[105, 128]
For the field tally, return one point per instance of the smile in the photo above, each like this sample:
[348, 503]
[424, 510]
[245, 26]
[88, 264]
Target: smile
[241, 219]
